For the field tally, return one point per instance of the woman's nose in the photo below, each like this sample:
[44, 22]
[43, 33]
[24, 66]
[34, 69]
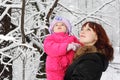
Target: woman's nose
[82, 31]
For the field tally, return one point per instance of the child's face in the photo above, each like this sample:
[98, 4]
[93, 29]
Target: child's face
[88, 36]
[59, 27]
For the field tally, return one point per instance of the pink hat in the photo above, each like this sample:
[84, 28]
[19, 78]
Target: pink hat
[60, 19]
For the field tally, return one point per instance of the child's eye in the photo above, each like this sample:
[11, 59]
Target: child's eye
[63, 24]
[56, 25]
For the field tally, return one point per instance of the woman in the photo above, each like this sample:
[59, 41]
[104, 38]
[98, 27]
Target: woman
[93, 58]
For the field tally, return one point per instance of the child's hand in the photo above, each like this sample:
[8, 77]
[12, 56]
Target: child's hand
[76, 45]
[73, 46]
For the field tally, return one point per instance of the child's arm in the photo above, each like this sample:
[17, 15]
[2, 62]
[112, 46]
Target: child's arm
[53, 48]
[77, 41]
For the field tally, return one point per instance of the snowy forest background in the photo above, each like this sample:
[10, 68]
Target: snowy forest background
[24, 25]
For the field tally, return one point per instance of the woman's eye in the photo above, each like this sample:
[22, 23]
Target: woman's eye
[89, 29]
[81, 29]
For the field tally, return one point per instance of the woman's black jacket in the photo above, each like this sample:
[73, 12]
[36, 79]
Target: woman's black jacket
[87, 67]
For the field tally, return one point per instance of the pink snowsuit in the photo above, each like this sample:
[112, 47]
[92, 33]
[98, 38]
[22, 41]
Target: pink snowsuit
[58, 59]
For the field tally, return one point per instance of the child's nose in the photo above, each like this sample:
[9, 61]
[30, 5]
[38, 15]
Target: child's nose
[59, 25]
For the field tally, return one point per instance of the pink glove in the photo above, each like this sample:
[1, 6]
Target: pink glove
[73, 46]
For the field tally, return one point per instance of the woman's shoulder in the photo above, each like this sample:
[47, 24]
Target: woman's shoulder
[91, 53]
[93, 56]
[96, 58]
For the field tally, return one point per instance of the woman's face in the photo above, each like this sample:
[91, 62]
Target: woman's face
[87, 36]
[60, 27]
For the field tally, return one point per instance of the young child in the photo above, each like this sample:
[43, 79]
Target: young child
[59, 46]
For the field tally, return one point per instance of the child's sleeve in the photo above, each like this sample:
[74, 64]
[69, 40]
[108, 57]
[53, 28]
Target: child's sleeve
[53, 48]
[77, 41]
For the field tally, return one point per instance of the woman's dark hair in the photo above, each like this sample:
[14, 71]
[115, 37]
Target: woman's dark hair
[103, 42]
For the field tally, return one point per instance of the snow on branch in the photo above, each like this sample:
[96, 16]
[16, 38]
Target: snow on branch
[7, 7]
[100, 20]
[5, 55]
[65, 7]
[4, 13]
[7, 38]
[97, 10]
[11, 5]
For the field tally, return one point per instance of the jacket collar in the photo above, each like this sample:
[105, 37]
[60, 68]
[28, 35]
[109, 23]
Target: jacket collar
[92, 50]
[87, 50]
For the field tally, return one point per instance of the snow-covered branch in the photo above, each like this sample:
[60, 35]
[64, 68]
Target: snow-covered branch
[94, 12]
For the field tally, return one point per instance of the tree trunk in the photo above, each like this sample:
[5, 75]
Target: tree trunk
[23, 35]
